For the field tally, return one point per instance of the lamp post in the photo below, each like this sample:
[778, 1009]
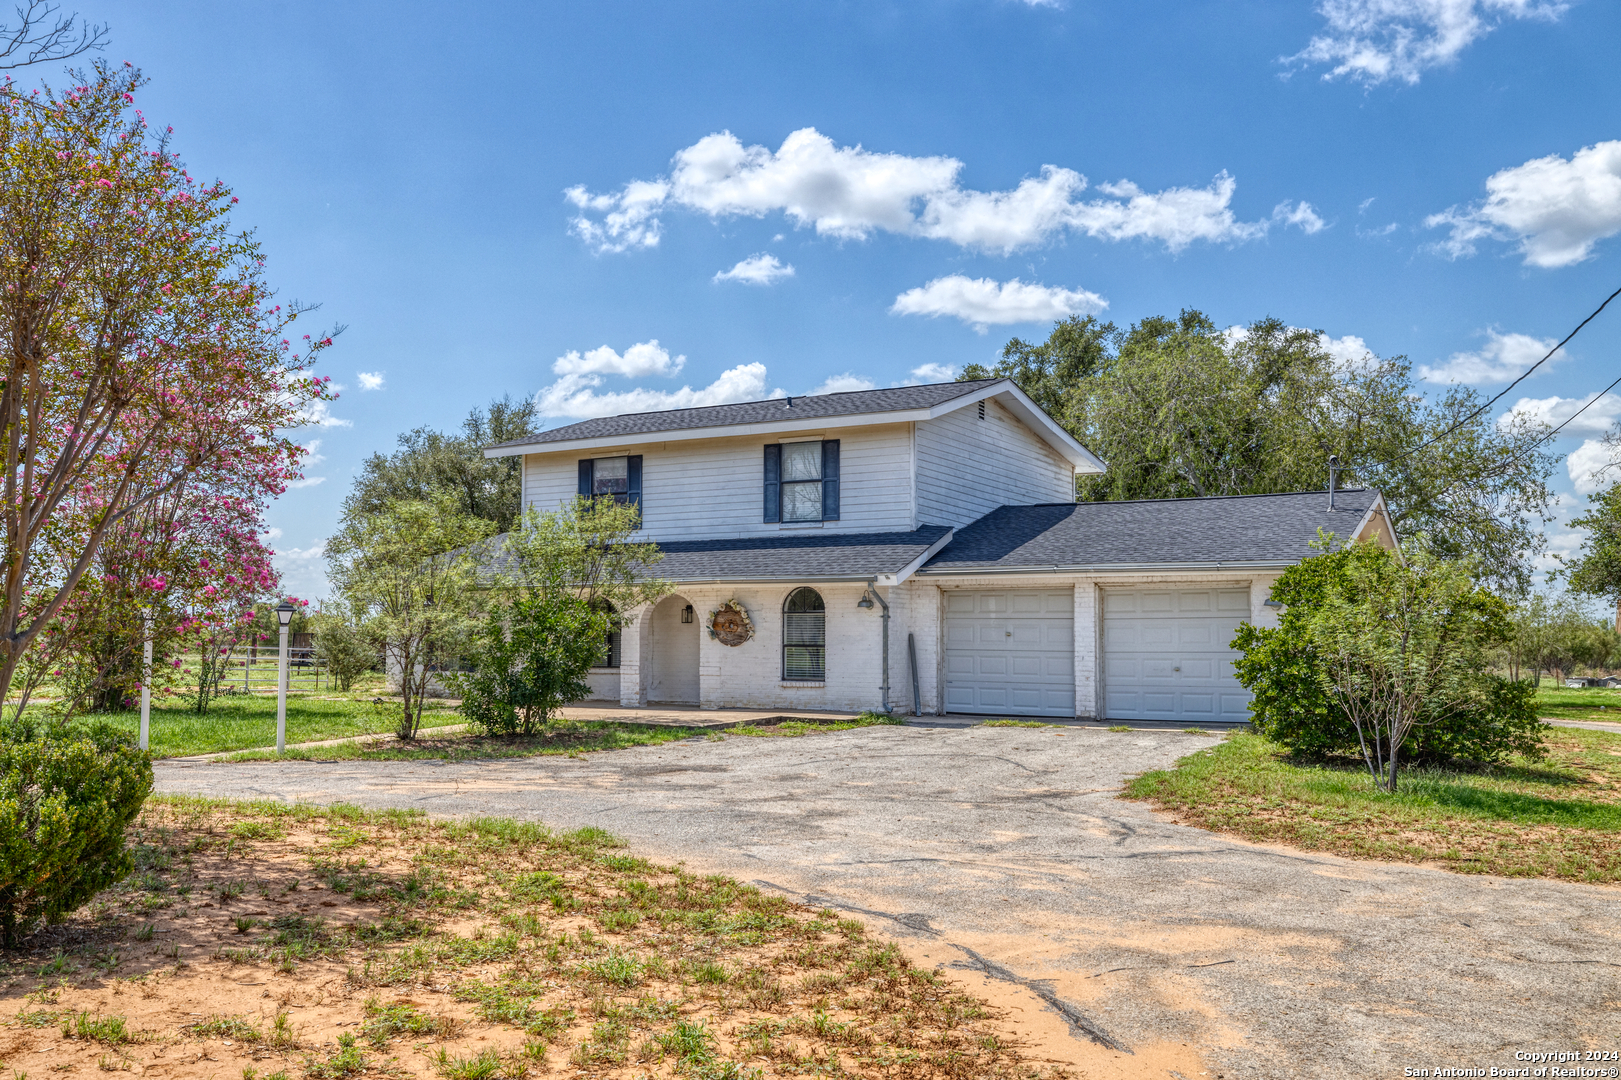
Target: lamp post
[284, 616]
[146, 678]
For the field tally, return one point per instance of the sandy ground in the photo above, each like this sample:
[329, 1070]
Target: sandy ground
[1142, 947]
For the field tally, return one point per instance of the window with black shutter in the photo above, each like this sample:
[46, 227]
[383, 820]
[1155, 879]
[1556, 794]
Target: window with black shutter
[618, 478]
[802, 481]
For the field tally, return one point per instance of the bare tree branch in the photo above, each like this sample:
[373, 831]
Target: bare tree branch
[43, 34]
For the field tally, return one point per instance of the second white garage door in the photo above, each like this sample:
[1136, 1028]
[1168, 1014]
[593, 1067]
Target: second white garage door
[1166, 654]
[1011, 652]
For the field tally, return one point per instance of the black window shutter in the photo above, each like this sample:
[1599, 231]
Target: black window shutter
[633, 483]
[585, 478]
[830, 480]
[773, 482]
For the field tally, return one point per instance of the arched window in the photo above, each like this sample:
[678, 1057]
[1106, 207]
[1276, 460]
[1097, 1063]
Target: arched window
[804, 636]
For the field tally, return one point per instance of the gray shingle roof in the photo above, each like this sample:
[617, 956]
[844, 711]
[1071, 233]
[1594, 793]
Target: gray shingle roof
[853, 403]
[1233, 529]
[807, 556]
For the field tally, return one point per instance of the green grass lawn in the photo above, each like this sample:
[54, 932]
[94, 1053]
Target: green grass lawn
[564, 737]
[1557, 818]
[240, 722]
[1565, 703]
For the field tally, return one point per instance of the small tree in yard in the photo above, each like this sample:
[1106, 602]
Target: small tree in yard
[409, 571]
[560, 584]
[1368, 648]
[1398, 639]
[342, 645]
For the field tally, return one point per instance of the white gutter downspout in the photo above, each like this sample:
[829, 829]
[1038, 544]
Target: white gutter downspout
[872, 591]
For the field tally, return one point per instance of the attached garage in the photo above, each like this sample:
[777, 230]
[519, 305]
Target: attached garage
[1166, 654]
[1010, 652]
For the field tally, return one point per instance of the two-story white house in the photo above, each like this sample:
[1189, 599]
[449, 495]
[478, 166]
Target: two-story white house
[921, 547]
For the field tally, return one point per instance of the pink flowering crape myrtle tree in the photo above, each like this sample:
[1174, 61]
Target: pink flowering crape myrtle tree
[142, 345]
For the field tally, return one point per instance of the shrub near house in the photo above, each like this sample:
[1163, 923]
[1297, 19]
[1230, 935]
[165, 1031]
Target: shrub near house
[1467, 712]
[66, 798]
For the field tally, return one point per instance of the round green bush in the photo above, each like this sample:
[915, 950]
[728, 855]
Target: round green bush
[67, 797]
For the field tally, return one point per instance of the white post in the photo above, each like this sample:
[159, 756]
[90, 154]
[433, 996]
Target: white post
[281, 695]
[146, 679]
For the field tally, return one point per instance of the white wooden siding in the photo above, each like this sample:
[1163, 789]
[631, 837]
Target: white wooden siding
[967, 467]
[712, 488]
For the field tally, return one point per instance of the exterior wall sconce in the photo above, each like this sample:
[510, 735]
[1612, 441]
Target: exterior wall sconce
[1271, 603]
[686, 614]
[865, 601]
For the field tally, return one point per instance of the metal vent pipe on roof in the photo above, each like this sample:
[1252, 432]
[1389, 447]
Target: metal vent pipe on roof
[1333, 479]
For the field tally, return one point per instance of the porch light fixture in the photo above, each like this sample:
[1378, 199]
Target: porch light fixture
[1271, 603]
[686, 614]
[865, 601]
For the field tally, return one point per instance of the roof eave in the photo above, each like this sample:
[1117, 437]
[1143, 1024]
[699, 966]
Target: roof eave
[1111, 568]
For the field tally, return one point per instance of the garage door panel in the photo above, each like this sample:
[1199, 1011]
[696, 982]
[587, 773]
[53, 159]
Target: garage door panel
[1011, 652]
[1167, 654]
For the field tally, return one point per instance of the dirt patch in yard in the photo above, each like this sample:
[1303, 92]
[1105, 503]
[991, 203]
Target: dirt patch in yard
[260, 940]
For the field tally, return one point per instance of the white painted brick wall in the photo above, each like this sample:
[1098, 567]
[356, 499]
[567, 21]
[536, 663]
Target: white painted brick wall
[750, 675]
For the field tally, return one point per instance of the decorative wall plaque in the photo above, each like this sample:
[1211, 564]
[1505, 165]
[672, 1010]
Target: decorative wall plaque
[729, 624]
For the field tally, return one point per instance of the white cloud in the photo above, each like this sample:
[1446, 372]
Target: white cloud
[849, 193]
[319, 414]
[312, 453]
[1556, 209]
[304, 482]
[1373, 41]
[759, 269]
[630, 218]
[576, 396]
[934, 373]
[1348, 351]
[1556, 410]
[1301, 215]
[843, 384]
[982, 302]
[1591, 466]
[303, 570]
[370, 380]
[640, 360]
[1505, 357]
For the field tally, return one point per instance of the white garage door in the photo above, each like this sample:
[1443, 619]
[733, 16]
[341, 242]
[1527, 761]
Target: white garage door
[1011, 653]
[1166, 655]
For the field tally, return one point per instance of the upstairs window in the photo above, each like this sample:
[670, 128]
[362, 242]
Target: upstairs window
[804, 637]
[617, 478]
[802, 481]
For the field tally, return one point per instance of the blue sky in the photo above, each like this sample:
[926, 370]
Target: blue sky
[1434, 178]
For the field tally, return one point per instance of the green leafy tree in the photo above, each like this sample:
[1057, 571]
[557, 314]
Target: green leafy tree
[1596, 569]
[1482, 718]
[410, 572]
[342, 645]
[1179, 407]
[430, 463]
[1398, 638]
[560, 584]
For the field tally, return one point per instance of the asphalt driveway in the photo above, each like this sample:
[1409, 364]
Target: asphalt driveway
[1132, 946]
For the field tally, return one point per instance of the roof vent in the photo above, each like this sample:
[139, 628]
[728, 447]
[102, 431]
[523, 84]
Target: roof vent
[1333, 479]
[982, 410]
[788, 402]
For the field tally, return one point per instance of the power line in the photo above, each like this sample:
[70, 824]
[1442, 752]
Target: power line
[1522, 378]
